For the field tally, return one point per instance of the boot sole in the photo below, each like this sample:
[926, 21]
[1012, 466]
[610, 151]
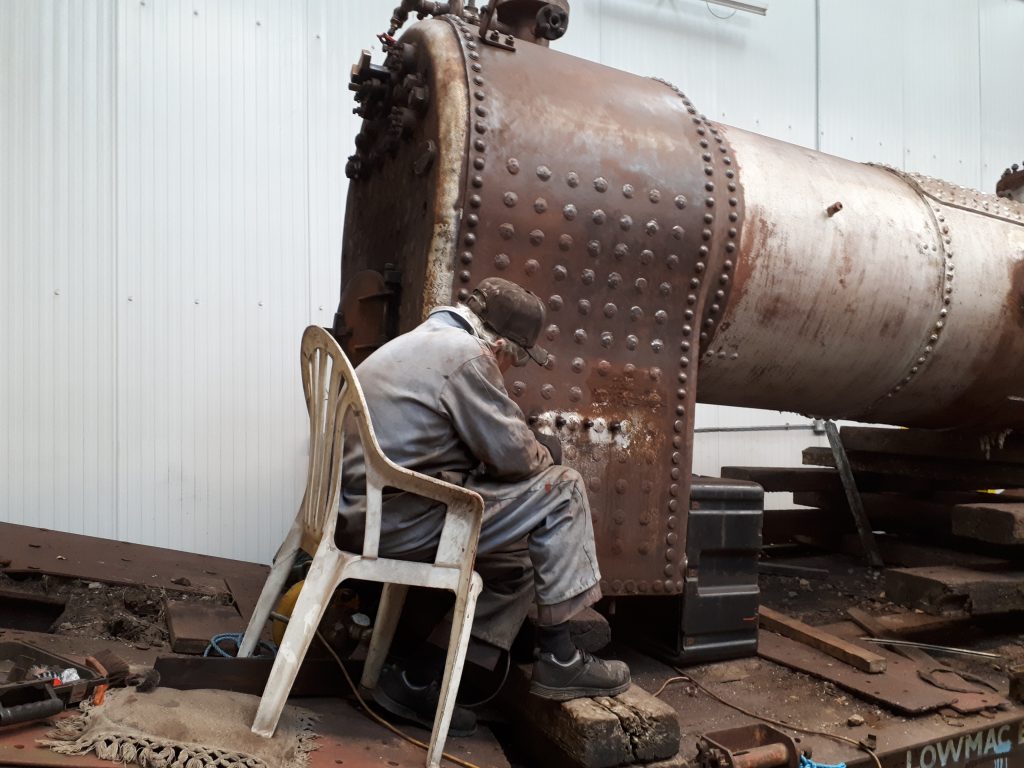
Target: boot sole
[400, 710]
[567, 694]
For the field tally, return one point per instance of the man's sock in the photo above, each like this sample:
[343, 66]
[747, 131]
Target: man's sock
[556, 641]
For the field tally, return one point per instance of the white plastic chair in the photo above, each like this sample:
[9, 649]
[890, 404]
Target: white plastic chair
[332, 394]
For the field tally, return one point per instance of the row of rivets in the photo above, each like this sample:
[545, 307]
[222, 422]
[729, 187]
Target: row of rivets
[944, 243]
[630, 586]
[965, 197]
[478, 161]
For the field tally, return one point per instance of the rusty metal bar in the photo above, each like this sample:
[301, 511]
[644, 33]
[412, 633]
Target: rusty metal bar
[860, 517]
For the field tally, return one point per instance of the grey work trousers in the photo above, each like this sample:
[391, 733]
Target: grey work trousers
[536, 546]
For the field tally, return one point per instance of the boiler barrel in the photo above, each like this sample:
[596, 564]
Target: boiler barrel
[679, 259]
[904, 307]
[811, 283]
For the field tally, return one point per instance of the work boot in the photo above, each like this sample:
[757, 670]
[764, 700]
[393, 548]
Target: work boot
[418, 703]
[582, 676]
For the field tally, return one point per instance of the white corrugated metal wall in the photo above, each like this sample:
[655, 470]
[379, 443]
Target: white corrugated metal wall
[172, 192]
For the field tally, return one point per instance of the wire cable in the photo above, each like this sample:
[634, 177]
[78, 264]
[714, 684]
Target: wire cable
[380, 720]
[504, 679]
[685, 677]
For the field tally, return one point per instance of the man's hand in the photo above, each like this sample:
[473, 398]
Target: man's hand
[552, 443]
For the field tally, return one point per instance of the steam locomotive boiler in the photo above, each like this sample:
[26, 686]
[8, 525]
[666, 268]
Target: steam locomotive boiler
[680, 260]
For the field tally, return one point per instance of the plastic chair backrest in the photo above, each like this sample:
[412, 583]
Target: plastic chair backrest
[334, 399]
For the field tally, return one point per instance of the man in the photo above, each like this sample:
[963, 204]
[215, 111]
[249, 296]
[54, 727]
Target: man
[439, 406]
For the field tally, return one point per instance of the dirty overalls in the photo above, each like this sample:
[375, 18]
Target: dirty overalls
[439, 406]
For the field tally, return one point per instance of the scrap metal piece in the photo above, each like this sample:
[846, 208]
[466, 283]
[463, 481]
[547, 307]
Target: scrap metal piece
[860, 517]
[749, 746]
[934, 648]
[932, 676]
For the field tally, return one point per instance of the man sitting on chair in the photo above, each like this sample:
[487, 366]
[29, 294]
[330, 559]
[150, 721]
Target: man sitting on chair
[439, 406]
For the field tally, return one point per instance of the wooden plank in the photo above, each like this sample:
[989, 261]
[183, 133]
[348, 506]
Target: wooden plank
[774, 479]
[920, 625]
[891, 511]
[897, 552]
[957, 446]
[859, 658]
[193, 624]
[954, 588]
[995, 523]
[969, 475]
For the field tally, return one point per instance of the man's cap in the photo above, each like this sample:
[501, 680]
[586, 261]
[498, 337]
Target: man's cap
[512, 312]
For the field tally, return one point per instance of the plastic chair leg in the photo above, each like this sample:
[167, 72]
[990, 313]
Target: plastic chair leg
[391, 601]
[325, 574]
[271, 592]
[462, 623]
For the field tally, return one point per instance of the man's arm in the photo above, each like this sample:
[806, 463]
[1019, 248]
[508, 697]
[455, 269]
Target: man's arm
[490, 424]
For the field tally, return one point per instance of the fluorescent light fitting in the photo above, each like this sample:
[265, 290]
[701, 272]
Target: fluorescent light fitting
[751, 6]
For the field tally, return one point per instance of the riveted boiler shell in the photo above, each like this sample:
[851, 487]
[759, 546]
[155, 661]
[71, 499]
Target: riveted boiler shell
[905, 307]
[607, 195]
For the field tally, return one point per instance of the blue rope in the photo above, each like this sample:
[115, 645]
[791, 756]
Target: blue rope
[806, 762]
[236, 638]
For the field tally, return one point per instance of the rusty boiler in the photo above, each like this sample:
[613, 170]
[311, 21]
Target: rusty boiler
[681, 260]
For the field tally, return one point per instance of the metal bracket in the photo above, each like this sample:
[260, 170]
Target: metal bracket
[497, 39]
[860, 518]
[749, 746]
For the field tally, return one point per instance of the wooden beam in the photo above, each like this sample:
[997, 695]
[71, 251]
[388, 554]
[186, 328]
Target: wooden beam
[926, 443]
[836, 647]
[943, 473]
[890, 511]
[996, 523]
[787, 478]
[953, 588]
[192, 624]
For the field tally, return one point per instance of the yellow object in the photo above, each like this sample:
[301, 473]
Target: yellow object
[285, 606]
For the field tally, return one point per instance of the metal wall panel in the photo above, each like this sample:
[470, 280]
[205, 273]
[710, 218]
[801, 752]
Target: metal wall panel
[57, 264]
[215, 283]
[1001, 71]
[941, 112]
[861, 80]
[173, 199]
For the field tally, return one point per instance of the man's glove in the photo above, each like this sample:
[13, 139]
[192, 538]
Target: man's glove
[552, 443]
